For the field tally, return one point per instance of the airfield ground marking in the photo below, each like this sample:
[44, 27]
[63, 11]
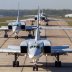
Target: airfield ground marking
[66, 33]
[24, 64]
[6, 40]
[47, 63]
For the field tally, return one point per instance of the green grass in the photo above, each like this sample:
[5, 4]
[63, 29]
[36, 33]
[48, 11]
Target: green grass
[68, 20]
[70, 23]
[4, 19]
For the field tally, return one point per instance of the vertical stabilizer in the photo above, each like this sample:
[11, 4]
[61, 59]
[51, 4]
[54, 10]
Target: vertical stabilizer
[18, 13]
[37, 34]
[42, 12]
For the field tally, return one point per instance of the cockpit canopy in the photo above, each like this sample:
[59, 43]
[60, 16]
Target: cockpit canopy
[34, 45]
[16, 24]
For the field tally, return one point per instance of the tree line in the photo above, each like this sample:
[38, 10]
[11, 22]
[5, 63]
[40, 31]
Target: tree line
[48, 12]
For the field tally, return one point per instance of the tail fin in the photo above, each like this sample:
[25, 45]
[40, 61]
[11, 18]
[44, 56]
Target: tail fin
[42, 12]
[18, 13]
[38, 19]
[37, 35]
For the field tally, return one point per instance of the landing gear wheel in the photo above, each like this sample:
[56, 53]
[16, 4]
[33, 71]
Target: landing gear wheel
[35, 68]
[15, 63]
[57, 64]
[46, 24]
[29, 35]
[6, 36]
[16, 37]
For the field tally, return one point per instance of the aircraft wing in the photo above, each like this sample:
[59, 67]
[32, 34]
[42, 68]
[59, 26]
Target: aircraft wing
[10, 49]
[28, 28]
[60, 49]
[55, 28]
[14, 49]
[3, 28]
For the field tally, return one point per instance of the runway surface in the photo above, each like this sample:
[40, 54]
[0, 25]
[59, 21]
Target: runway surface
[46, 64]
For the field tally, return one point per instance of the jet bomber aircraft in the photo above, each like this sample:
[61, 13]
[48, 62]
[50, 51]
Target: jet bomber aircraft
[16, 26]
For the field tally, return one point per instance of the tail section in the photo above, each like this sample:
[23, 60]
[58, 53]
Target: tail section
[37, 34]
[18, 13]
[42, 12]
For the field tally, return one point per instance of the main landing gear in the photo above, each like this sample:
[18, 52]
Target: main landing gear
[15, 62]
[47, 24]
[16, 37]
[30, 35]
[57, 62]
[5, 35]
[35, 67]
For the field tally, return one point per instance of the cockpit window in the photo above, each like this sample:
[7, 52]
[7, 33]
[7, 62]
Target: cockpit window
[31, 46]
[34, 46]
[37, 46]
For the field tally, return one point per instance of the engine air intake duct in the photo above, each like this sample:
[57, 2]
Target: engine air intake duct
[47, 49]
[9, 26]
[22, 26]
[23, 49]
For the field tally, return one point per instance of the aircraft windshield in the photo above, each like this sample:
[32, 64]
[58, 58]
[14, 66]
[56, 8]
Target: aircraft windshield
[17, 24]
[34, 46]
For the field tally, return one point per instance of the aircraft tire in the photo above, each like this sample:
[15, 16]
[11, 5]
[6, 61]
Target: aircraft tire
[33, 68]
[5, 36]
[15, 63]
[29, 36]
[46, 24]
[36, 68]
[57, 64]
[16, 37]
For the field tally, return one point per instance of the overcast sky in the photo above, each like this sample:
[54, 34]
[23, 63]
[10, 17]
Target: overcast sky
[33, 4]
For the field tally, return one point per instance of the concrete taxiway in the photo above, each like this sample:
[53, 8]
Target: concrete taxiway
[46, 64]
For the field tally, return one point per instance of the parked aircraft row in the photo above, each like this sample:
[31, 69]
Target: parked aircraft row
[35, 48]
[18, 25]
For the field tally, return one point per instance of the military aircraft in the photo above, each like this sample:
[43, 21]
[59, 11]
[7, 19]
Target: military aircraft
[35, 48]
[34, 17]
[16, 26]
[41, 15]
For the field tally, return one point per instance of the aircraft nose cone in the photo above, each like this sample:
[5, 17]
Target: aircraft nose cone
[34, 53]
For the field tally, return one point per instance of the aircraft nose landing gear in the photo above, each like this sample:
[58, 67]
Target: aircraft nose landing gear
[35, 67]
[16, 37]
